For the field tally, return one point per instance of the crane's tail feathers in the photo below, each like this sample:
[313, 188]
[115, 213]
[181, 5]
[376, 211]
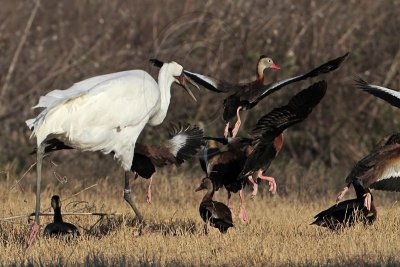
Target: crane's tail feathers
[185, 141]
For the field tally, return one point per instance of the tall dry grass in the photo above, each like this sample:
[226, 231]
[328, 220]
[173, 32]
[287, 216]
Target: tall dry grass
[278, 233]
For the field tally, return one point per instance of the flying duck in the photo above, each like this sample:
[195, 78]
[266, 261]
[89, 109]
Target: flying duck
[268, 133]
[246, 96]
[379, 170]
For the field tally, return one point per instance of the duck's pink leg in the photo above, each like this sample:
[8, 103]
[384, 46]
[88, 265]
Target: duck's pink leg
[148, 199]
[228, 203]
[342, 193]
[242, 212]
[271, 181]
[237, 124]
[367, 201]
[254, 185]
[226, 131]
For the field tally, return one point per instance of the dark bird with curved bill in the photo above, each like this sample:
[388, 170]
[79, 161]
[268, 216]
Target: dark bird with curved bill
[268, 133]
[246, 96]
[212, 212]
[348, 212]
[183, 143]
[58, 227]
[379, 170]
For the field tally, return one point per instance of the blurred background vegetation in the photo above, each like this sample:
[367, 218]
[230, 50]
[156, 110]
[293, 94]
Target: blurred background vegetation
[53, 44]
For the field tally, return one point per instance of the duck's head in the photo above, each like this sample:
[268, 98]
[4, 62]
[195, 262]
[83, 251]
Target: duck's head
[206, 183]
[265, 63]
[55, 202]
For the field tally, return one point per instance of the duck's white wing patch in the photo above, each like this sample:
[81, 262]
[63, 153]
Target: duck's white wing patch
[389, 179]
[205, 81]
[389, 95]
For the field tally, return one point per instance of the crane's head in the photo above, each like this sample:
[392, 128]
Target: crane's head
[266, 63]
[182, 79]
[179, 75]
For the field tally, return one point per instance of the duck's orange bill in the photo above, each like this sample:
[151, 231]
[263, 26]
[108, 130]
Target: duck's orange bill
[273, 66]
[198, 189]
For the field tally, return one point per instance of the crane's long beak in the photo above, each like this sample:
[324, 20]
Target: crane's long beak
[192, 82]
[182, 81]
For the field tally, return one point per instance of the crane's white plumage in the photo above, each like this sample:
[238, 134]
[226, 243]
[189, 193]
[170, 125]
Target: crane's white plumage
[107, 112]
[104, 113]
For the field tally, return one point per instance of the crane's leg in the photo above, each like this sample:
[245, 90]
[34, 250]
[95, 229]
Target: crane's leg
[242, 211]
[128, 197]
[253, 184]
[148, 199]
[226, 130]
[238, 123]
[367, 200]
[36, 225]
[271, 181]
[343, 192]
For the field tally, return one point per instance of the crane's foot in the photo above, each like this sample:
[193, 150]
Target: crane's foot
[342, 194]
[367, 201]
[128, 198]
[32, 236]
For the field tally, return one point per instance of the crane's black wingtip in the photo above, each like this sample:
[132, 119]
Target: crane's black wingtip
[156, 62]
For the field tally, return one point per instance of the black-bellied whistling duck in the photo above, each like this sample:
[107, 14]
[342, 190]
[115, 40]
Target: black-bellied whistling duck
[268, 133]
[379, 170]
[183, 143]
[347, 213]
[223, 165]
[58, 227]
[246, 96]
[389, 95]
[215, 213]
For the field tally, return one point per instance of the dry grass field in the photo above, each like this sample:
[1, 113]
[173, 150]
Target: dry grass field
[278, 234]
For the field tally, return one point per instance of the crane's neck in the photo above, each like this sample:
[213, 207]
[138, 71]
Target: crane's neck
[165, 80]
[57, 215]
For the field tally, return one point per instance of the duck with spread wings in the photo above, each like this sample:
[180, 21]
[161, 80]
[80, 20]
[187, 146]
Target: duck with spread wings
[246, 96]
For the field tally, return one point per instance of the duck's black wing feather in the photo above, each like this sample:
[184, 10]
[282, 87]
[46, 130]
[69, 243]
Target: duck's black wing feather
[274, 123]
